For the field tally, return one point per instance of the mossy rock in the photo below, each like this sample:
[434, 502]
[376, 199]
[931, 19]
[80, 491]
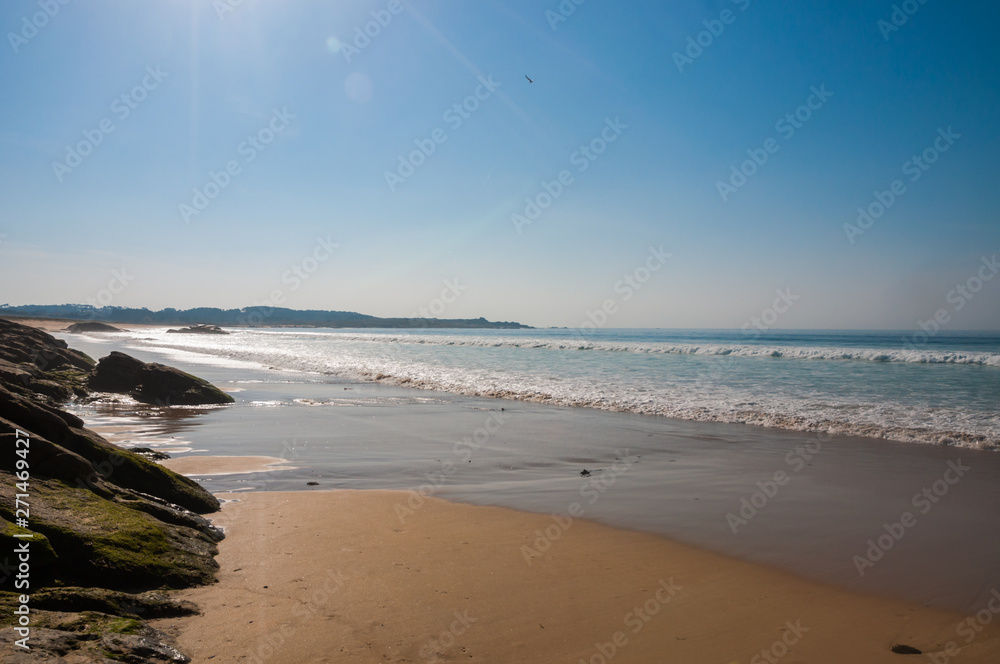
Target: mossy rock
[105, 544]
[42, 555]
[109, 462]
[134, 471]
[146, 606]
[84, 636]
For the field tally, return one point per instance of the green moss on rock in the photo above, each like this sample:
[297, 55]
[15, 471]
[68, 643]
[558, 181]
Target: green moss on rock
[105, 544]
[43, 557]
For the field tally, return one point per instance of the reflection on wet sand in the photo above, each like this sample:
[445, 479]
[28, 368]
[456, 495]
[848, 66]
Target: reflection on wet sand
[141, 425]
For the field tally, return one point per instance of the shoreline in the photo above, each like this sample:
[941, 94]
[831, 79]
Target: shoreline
[762, 418]
[450, 581]
[683, 481]
[568, 573]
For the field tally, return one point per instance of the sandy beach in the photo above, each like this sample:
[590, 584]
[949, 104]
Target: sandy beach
[365, 576]
[326, 561]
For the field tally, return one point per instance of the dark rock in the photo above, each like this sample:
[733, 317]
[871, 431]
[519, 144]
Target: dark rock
[903, 649]
[34, 363]
[200, 328]
[149, 453]
[92, 326]
[89, 637]
[22, 344]
[153, 383]
[140, 648]
[161, 384]
[43, 556]
[80, 457]
[166, 512]
[50, 641]
[148, 605]
[101, 516]
[107, 544]
[585, 473]
[117, 372]
[47, 458]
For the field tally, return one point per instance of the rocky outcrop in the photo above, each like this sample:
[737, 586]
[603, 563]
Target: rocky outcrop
[62, 449]
[200, 328]
[108, 530]
[92, 326]
[109, 541]
[153, 383]
[88, 637]
[36, 364]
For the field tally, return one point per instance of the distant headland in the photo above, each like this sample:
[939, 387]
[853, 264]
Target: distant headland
[246, 317]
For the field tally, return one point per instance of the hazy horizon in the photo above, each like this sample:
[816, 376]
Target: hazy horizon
[232, 153]
[586, 329]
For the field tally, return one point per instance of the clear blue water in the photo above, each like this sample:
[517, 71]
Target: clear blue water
[942, 390]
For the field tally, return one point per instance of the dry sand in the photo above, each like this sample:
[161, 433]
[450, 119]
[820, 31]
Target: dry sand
[339, 576]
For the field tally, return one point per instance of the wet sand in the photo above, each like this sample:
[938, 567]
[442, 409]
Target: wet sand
[199, 466]
[682, 480]
[370, 576]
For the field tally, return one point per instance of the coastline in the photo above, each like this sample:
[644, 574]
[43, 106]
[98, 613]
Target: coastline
[339, 576]
[683, 480]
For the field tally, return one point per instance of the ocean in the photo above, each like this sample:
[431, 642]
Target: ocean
[899, 386]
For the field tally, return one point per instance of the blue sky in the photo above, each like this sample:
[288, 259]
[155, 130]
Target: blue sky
[330, 121]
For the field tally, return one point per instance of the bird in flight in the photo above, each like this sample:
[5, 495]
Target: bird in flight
[529, 79]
